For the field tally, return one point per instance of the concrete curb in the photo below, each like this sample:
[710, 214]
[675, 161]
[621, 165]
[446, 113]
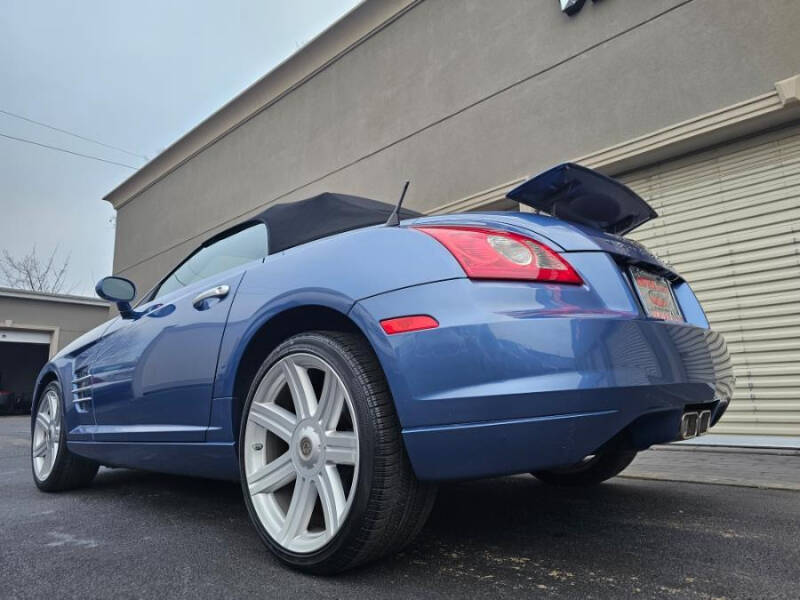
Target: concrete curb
[763, 485]
[728, 449]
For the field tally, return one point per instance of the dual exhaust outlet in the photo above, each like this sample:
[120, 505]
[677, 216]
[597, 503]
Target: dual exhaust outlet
[694, 423]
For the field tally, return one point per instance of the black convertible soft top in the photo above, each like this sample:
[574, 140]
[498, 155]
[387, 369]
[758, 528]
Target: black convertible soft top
[296, 223]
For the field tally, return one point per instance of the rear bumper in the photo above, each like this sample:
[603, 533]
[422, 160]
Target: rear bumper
[492, 448]
[497, 390]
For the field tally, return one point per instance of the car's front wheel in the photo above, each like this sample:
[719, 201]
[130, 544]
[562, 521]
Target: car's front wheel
[54, 467]
[592, 470]
[325, 476]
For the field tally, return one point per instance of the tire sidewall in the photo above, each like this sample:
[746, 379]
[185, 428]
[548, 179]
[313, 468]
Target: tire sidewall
[600, 469]
[329, 350]
[48, 483]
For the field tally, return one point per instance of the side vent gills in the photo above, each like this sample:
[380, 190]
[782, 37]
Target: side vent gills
[82, 389]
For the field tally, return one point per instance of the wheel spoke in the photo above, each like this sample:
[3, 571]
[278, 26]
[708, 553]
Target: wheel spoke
[332, 497]
[52, 399]
[273, 418]
[272, 476]
[331, 401]
[43, 420]
[40, 449]
[341, 447]
[303, 396]
[51, 455]
[302, 505]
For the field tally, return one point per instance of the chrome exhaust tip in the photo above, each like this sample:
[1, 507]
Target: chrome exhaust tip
[704, 422]
[689, 423]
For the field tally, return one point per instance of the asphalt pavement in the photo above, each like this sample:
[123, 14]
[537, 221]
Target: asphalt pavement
[142, 535]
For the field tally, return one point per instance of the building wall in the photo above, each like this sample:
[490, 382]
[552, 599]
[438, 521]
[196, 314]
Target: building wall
[70, 319]
[460, 96]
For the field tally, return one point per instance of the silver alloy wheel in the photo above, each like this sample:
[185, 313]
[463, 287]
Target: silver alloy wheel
[301, 452]
[46, 435]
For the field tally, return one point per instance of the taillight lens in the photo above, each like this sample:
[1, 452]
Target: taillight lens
[492, 254]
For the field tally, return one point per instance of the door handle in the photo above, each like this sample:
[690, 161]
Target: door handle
[216, 292]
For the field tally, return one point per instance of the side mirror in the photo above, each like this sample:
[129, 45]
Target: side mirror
[120, 291]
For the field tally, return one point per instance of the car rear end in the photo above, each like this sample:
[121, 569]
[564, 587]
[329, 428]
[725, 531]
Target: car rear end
[569, 341]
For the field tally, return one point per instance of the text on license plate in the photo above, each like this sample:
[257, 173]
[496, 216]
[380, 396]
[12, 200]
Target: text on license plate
[656, 295]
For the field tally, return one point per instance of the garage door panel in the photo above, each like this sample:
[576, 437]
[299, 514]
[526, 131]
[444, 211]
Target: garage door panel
[727, 291]
[753, 427]
[730, 224]
[776, 267]
[766, 334]
[763, 257]
[782, 301]
[747, 405]
[785, 211]
[773, 395]
[784, 359]
[751, 315]
[725, 176]
[701, 200]
[731, 232]
[785, 243]
[720, 224]
[781, 347]
[734, 325]
[730, 162]
[731, 198]
[720, 242]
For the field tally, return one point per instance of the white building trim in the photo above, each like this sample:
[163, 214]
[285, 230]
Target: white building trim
[46, 297]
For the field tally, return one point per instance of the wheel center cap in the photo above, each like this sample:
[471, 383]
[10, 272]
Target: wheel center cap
[308, 448]
[305, 447]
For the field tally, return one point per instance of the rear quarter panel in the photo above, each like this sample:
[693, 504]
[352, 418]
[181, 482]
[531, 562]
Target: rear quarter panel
[333, 272]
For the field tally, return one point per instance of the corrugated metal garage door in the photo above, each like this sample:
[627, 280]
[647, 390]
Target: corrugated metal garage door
[730, 224]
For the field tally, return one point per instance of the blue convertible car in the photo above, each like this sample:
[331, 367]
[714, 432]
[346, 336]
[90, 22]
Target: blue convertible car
[340, 361]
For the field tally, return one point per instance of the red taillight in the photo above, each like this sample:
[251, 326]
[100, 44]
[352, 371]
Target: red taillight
[410, 323]
[492, 254]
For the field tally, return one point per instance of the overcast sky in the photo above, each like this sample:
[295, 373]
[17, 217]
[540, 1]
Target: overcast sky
[135, 75]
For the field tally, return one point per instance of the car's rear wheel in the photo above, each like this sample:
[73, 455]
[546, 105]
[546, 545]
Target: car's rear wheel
[54, 467]
[325, 476]
[592, 470]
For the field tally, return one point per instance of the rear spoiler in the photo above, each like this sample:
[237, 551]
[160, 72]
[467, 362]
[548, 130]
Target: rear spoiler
[580, 195]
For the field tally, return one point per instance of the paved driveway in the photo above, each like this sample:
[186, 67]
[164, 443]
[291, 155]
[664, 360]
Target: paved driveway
[135, 534]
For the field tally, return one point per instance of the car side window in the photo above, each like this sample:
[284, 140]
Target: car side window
[238, 248]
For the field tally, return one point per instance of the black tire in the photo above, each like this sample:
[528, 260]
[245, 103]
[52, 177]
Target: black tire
[390, 505]
[69, 470]
[592, 471]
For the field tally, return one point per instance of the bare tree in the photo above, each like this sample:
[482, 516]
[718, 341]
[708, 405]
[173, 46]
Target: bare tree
[32, 273]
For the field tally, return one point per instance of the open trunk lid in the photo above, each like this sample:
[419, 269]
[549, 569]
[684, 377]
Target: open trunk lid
[574, 193]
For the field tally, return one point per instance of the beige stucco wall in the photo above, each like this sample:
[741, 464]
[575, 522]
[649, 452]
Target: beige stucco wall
[460, 96]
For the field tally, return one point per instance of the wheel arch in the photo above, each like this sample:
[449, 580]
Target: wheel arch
[48, 375]
[271, 333]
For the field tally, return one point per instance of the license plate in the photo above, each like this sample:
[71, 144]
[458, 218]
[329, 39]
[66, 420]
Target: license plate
[656, 295]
